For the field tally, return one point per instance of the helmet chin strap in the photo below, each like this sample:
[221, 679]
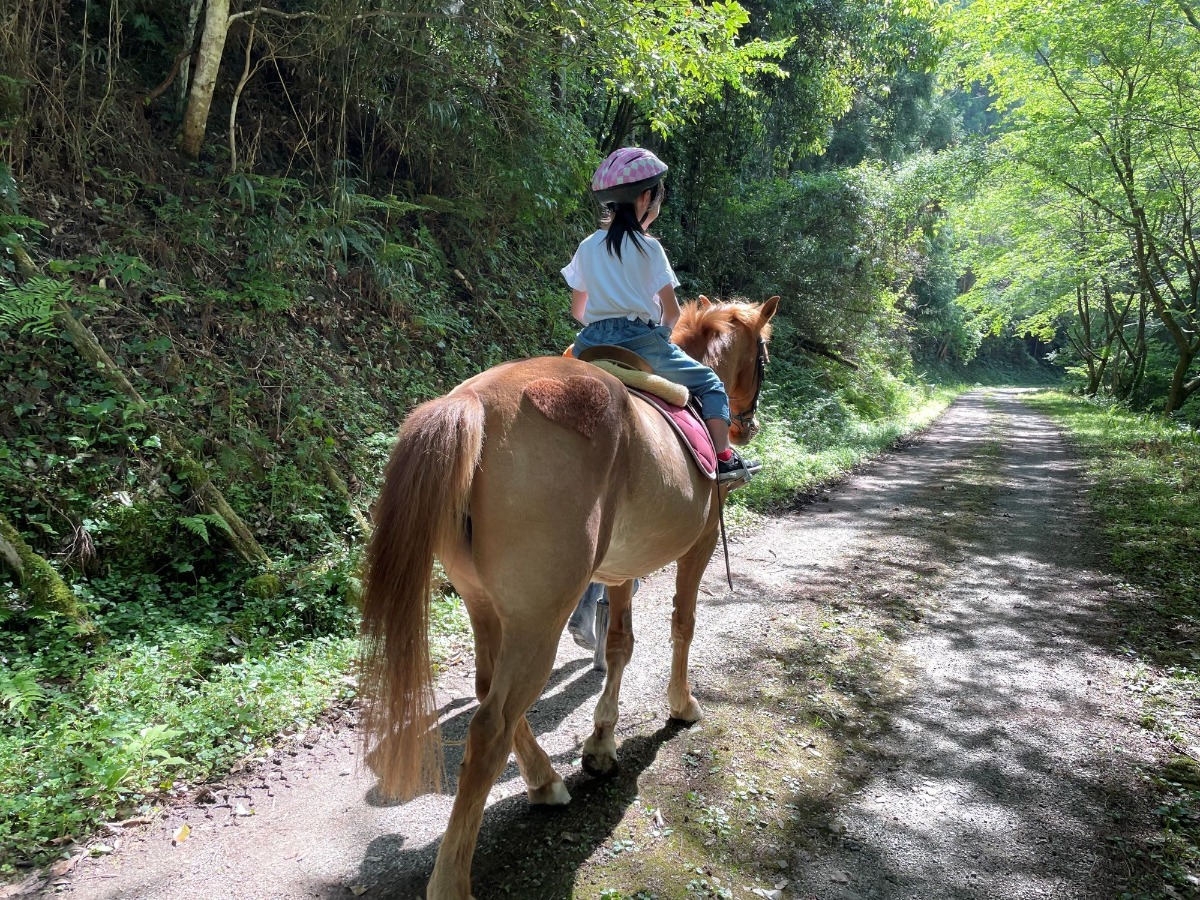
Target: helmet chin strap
[654, 195]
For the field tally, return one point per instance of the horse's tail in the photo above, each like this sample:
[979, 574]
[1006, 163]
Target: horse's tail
[421, 510]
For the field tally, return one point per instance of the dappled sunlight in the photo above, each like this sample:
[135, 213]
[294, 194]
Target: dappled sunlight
[994, 776]
[908, 694]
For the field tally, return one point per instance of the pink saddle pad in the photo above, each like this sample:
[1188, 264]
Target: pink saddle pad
[690, 428]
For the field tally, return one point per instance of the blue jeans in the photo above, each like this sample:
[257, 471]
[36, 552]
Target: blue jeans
[653, 344]
[589, 622]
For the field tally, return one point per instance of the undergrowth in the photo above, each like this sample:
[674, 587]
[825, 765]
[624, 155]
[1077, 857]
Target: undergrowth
[1146, 489]
[818, 425]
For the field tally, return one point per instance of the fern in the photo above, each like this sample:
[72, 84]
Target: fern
[20, 693]
[198, 524]
[30, 307]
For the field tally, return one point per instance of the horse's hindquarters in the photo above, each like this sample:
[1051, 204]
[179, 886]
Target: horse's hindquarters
[537, 502]
[560, 499]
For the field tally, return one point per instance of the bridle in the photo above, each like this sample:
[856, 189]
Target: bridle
[745, 419]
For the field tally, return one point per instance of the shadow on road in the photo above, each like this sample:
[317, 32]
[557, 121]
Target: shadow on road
[523, 851]
[545, 716]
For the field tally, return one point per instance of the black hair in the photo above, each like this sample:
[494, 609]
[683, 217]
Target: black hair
[621, 219]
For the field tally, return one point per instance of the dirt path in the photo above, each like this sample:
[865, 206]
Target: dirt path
[913, 693]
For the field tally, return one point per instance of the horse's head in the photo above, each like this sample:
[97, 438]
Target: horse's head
[732, 339]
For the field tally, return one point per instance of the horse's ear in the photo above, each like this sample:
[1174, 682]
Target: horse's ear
[703, 302]
[767, 310]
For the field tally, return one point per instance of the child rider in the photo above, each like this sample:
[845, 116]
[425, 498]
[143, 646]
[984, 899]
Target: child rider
[623, 291]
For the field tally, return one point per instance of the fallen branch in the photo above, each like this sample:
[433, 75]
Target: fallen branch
[820, 349]
[183, 463]
[338, 484]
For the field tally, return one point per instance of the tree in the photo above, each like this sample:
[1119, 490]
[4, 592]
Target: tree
[1101, 102]
[655, 60]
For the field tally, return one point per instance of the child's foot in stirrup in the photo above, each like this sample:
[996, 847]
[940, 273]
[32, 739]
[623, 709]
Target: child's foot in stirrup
[737, 469]
[582, 623]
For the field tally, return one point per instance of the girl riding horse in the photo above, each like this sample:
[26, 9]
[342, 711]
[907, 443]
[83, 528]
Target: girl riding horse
[551, 461]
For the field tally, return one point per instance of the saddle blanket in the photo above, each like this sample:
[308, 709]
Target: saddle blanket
[690, 428]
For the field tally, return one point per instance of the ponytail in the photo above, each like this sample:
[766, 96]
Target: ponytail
[621, 219]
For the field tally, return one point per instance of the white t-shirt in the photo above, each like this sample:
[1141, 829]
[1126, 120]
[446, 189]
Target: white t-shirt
[625, 288]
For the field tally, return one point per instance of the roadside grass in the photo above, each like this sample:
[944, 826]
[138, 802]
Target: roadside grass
[175, 693]
[805, 444]
[1146, 489]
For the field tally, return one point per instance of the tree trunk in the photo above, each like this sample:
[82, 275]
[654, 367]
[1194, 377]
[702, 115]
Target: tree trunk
[189, 44]
[204, 82]
[37, 578]
[1181, 387]
[622, 124]
[1084, 344]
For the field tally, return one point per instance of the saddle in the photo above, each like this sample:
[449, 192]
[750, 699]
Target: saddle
[669, 398]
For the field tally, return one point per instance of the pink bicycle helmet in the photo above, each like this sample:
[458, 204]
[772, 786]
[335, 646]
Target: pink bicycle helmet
[625, 174]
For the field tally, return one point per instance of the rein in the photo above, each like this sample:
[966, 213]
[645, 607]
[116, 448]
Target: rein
[724, 539]
[746, 418]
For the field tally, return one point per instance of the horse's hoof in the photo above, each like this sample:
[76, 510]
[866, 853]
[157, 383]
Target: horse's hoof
[600, 765]
[691, 713]
[552, 794]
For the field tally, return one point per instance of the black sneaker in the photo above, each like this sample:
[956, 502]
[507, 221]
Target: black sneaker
[737, 469]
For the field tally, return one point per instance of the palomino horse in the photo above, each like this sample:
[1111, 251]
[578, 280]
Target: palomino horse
[527, 482]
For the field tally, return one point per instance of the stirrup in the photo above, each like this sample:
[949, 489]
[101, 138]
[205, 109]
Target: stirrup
[737, 469]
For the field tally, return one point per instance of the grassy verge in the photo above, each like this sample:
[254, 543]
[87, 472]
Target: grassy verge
[1146, 488]
[174, 694]
[807, 443]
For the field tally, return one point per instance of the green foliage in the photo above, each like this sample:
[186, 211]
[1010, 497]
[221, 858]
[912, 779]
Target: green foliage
[20, 694]
[1096, 167]
[30, 306]
[670, 56]
[820, 241]
[117, 739]
[264, 587]
[819, 424]
[198, 524]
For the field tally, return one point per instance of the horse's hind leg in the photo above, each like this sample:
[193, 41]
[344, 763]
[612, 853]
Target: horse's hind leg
[600, 750]
[520, 669]
[544, 785]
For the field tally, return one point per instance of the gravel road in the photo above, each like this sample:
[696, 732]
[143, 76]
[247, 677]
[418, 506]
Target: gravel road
[1003, 771]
